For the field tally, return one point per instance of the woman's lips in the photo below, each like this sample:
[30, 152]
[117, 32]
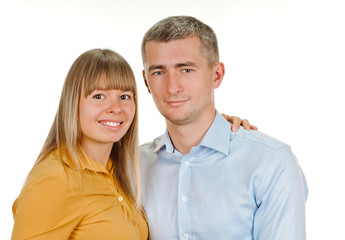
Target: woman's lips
[110, 124]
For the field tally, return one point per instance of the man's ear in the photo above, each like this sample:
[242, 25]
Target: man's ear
[146, 84]
[219, 71]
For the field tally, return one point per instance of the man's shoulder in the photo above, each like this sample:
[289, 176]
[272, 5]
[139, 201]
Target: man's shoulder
[152, 145]
[258, 138]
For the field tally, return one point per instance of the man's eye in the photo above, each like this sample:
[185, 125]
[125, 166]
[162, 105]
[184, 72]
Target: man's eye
[125, 97]
[187, 70]
[98, 96]
[158, 73]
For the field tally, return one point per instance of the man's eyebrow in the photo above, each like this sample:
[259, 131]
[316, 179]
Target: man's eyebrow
[177, 65]
[154, 67]
[186, 64]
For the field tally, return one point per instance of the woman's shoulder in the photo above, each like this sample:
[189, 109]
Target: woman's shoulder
[50, 167]
[52, 173]
[49, 178]
[49, 200]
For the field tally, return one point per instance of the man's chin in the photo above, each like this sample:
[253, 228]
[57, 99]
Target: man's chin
[178, 119]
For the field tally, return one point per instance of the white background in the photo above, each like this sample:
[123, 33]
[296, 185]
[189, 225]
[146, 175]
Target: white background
[284, 59]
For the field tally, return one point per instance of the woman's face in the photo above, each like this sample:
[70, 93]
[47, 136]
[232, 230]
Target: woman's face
[105, 116]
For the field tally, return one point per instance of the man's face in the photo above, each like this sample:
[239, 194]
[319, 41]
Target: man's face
[180, 79]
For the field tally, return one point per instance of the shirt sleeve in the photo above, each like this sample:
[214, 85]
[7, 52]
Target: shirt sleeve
[281, 197]
[47, 207]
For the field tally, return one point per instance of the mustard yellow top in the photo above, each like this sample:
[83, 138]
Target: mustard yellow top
[58, 203]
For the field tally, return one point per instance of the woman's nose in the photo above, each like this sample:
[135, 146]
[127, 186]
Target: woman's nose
[114, 107]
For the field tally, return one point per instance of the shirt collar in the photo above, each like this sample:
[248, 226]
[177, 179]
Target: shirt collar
[217, 137]
[85, 164]
[164, 142]
[167, 142]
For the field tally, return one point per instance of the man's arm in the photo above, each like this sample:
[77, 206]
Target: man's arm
[280, 196]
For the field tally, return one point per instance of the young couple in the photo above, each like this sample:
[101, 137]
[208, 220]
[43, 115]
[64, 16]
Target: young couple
[199, 180]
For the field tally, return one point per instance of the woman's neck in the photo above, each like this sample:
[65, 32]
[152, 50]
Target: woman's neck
[98, 152]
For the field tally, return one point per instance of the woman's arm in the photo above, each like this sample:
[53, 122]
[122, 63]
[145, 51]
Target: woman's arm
[46, 207]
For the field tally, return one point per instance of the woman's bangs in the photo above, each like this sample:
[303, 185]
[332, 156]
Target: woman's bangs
[110, 77]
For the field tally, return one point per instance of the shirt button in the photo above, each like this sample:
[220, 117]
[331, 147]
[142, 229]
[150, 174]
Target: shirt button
[120, 198]
[186, 163]
[184, 198]
[186, 235]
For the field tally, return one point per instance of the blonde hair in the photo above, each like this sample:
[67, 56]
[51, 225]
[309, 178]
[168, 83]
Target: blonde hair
[88, 72]
[180, 27]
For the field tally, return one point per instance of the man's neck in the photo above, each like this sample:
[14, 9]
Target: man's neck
[185, 137]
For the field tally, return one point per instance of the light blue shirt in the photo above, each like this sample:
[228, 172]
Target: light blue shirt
[234, 185]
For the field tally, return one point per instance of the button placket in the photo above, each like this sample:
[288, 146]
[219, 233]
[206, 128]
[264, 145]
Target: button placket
[121, 198]
[186, 235]
[184, 220]
[124, 204]
[111, 184]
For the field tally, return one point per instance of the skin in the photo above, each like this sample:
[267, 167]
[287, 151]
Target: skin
[237, 122]
[182, 86]
[104, 116]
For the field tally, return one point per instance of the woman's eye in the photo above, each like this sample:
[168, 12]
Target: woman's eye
[125, 97]
[98, 96]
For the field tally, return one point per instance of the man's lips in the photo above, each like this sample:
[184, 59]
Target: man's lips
[176, 103]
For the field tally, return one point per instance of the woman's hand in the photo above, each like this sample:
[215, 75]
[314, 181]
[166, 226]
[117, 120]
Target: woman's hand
[237, 122]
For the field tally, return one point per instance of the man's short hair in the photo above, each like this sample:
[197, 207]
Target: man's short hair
[181, 27]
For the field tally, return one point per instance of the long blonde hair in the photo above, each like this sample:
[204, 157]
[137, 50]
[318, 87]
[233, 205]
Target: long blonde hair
[88, 72]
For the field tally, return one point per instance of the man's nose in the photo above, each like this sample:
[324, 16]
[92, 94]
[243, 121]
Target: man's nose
[173, 83]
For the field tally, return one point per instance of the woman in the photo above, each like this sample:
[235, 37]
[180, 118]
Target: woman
[85, 183]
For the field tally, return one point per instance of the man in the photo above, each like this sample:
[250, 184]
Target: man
[201, 180]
